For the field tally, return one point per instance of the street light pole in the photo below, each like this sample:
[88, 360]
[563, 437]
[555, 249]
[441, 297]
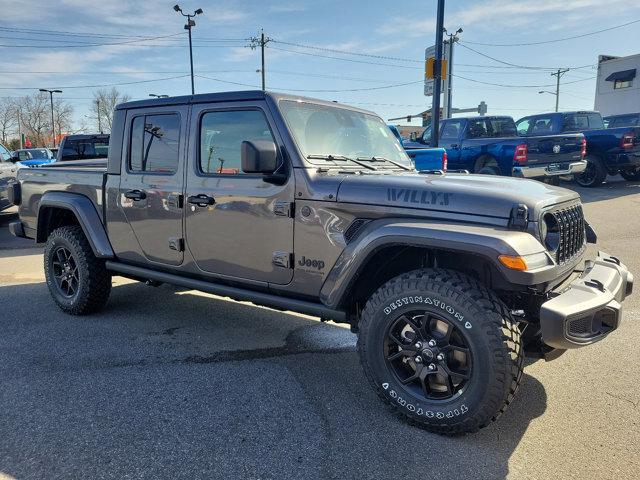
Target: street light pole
[53, 125]
[190, 24]
[453, 37]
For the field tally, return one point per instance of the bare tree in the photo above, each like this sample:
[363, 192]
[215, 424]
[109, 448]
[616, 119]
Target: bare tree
[35, 114]
[8, 118]
[62, 116]
[104, 102]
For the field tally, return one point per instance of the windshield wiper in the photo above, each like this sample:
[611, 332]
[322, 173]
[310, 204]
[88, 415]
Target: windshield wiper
[382, 159]
[341, 158]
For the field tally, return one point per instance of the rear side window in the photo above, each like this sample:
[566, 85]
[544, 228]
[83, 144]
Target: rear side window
[477, 129]
[623, 121]
[522, 126]
[221, 136]
[576, 122]
[501, 127]
[154, 143]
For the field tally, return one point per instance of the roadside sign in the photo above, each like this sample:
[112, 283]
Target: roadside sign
[429, 62]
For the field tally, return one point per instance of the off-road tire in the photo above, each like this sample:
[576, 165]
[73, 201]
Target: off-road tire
[486, 323]
[94, 281]
[594, 174]
[631, 175]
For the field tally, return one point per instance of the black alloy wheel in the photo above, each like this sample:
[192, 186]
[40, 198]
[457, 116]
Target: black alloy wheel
[65, 272]
[428, 355]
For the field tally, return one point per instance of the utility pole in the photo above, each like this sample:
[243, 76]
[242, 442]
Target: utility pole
[53, 125]
[437, 77]
[262, 42]
[188, 26]
[453, 38]
[559, 74]
[98, 112]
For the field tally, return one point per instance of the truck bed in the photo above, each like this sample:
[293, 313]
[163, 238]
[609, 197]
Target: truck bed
[85, 177]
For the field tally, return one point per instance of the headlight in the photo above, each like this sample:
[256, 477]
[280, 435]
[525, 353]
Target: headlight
[551, 237]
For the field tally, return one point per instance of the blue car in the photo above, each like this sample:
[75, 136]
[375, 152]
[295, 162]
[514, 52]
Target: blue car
[32, 157]
[425, 159]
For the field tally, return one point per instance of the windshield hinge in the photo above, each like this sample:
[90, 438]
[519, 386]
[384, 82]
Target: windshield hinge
[519, 218]
[283, 209]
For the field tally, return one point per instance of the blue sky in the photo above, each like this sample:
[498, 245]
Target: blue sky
[386, 29]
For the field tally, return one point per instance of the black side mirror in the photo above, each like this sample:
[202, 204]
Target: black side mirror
[14, 159]
[259, 156]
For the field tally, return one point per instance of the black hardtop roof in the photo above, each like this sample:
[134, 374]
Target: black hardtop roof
[236, 96]
[571, 112]
[87, 136]
[478, 117]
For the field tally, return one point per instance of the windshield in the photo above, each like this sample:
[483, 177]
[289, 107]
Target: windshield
[40, 153]
[339, 132]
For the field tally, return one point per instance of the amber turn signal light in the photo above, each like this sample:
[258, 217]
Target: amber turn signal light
[514, 263]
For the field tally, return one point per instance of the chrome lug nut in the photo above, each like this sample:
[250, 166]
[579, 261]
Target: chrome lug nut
[432, 343]
[440, 357]
[418, 345]
[432, 366]
[418, 359]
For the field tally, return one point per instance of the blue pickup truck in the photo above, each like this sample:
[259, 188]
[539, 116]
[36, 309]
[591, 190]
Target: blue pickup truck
[624, 120]
[609, 150]
[491, 145]
[425, 159]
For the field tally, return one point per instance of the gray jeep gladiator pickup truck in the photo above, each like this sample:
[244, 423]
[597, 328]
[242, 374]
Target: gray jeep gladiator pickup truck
[314, 207]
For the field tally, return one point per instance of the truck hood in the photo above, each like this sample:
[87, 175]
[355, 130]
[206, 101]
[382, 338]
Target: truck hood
[481, 195]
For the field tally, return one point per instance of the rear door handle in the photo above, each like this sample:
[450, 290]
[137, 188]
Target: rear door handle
[135, 195]
[201, 200]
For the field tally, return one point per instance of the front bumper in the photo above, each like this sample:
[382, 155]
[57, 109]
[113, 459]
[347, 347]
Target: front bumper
[553, 170]
[590, 307]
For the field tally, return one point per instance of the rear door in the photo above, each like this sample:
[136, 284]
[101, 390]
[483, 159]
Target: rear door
[450, 135]
[151, 182]
[237, 225]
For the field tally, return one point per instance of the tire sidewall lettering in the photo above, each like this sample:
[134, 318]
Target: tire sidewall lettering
[427, 300]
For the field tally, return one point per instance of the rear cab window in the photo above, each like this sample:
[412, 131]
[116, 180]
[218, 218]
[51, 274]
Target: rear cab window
[623, 121]
[154, 144]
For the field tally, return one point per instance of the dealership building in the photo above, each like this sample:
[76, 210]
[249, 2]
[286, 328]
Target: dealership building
[617, 88]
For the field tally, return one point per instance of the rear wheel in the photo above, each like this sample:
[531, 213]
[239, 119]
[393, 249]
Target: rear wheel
[78, 281]
[594, 174]
[487, 166]
[441, 349]
[631, 175]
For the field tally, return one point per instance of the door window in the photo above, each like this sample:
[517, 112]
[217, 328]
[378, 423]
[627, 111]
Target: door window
[523, 126]
[450, 130]
[221, 137]
[477, 129]
[154, 143]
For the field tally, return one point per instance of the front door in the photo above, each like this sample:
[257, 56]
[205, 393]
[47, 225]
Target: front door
[450, 135]
[151, 183]
[237, 225]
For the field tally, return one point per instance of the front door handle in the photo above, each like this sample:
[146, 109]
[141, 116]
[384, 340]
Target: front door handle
[135, 195]
[201, 200]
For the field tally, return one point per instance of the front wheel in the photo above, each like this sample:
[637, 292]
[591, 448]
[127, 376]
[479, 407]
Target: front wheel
[441, 349]
[631, 175]
[78, 281]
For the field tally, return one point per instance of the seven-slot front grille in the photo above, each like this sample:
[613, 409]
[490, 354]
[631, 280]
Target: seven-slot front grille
[570, 221]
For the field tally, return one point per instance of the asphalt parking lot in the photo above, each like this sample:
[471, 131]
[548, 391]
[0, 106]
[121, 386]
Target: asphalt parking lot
[169, 383]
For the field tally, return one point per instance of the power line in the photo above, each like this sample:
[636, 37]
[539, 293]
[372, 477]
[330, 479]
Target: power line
[101, 85]
[352, 60]
[518, 86]
[348, 52]
[315, 90]
[139, 40]
[527, 67]
[544, 42]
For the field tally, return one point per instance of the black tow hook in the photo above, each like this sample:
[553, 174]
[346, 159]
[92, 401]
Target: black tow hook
[595, 284]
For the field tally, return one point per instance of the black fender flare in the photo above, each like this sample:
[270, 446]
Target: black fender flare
[86, 214]
[487, 242]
